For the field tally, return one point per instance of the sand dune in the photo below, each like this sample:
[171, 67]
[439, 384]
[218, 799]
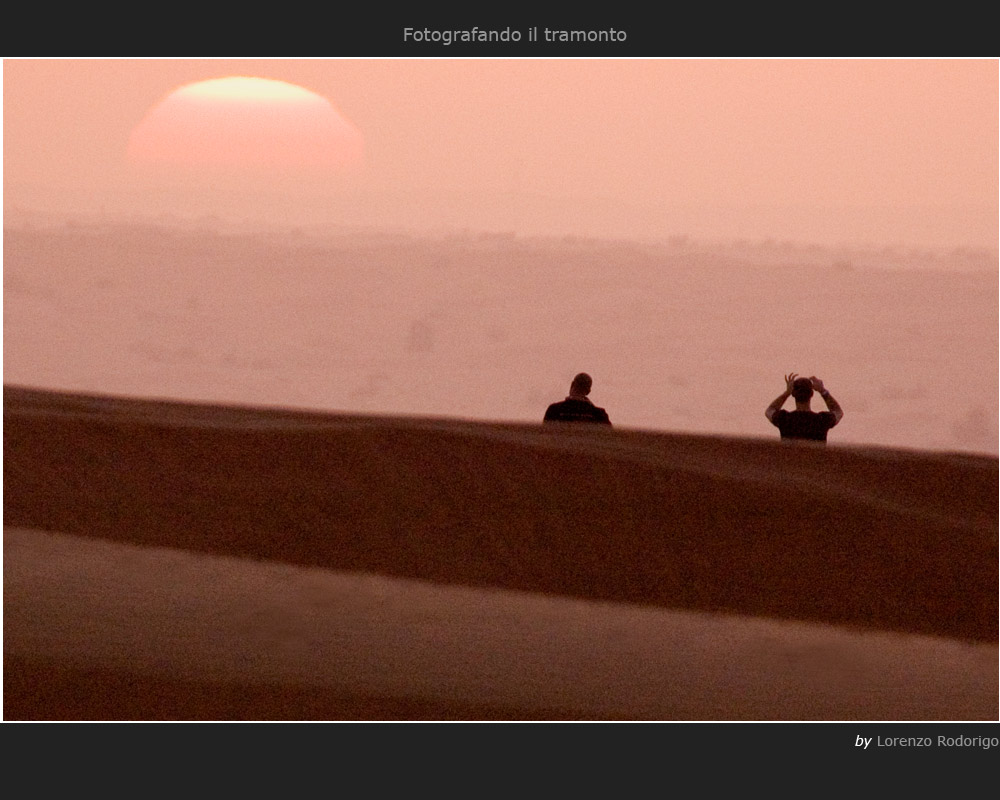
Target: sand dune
[860, 558]
[120, 630]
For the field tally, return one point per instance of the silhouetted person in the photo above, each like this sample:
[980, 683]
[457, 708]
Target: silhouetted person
[577, 407]
[803, 423]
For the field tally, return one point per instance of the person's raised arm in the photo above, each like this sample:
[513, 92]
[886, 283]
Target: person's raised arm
[779, 401]
[831, 404]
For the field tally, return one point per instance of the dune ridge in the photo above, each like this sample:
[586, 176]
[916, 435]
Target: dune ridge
[881, 539]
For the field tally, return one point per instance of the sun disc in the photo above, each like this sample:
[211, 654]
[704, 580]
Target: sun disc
[245, 123]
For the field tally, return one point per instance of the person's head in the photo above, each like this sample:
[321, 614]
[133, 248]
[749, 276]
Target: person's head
[581, 384]
[802, 389]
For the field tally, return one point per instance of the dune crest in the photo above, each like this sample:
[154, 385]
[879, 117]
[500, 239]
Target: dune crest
[874, 539]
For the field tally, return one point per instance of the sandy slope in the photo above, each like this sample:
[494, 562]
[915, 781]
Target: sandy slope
[874, 540]
[156, 632]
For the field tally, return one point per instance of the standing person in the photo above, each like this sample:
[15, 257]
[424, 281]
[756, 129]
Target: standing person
[577, 407]
[803, 423]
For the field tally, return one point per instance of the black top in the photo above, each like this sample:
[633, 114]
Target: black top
[573, 410]
[811, 425]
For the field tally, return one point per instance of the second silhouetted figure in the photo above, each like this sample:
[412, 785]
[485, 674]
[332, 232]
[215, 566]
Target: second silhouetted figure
[803, 422]
[577, 407]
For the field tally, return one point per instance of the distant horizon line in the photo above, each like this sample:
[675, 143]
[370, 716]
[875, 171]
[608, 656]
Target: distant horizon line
[19, 214]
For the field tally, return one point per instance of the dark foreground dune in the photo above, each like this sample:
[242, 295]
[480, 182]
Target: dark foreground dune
[859, 543]
[99, 629]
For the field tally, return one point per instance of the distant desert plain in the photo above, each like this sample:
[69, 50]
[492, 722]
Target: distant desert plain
[680, 335]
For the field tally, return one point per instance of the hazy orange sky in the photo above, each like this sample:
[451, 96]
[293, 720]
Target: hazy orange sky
[870, 151]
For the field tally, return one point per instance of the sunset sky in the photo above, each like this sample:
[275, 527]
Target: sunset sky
[887, 151]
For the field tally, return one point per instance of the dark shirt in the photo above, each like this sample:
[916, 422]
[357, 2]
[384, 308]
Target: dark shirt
[573, 410]
[811, 425]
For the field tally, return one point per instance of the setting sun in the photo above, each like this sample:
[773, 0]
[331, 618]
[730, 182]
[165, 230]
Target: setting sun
[243, 122]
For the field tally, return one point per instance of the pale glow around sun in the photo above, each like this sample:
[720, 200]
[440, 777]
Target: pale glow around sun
[248, 123]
